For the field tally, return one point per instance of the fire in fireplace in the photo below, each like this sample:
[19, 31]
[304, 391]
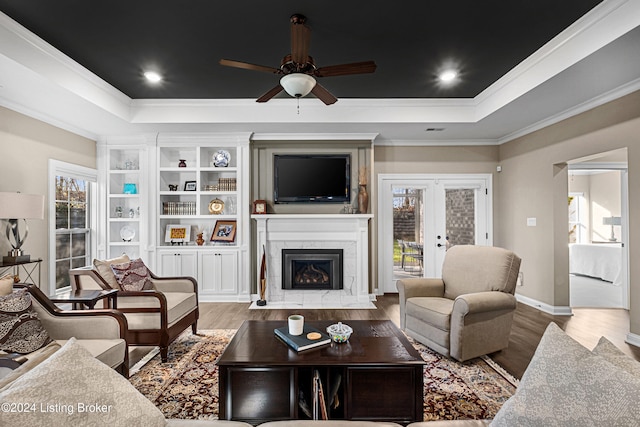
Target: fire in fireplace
[312, 268]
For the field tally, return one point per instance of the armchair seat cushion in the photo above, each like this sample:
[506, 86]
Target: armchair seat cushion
[108, 352]
[434, 311]
[179, 304]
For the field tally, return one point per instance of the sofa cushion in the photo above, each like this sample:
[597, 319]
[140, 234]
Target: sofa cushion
[434, 311]
[104, 268]
[6, 284]
[77, 389]
[567, 385]
[20, 328]
[132, 275]
[612, 354]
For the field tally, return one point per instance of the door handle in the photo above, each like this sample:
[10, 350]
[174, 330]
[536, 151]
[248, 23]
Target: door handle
[439, 245]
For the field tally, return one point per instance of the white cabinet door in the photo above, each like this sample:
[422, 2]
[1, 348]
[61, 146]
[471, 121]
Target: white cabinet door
[177, 263]
[218, 272]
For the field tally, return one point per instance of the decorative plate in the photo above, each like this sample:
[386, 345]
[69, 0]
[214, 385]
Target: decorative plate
[127, 233]
[221, 159]
[216, 206]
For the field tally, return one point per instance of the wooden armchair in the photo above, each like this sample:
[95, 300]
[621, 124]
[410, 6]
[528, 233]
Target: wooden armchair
[102, 332]
[155, 317]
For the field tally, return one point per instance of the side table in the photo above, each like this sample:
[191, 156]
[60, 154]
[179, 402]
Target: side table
[88, 298]
[30, 268]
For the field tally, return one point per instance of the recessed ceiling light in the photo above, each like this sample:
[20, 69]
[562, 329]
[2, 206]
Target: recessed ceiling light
[448, 76]
[152, 76]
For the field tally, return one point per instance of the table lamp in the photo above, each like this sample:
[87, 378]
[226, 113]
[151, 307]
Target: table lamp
[612, 221]
[15, 207]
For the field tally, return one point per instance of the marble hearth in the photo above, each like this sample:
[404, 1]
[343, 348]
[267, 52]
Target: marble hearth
[286, 231]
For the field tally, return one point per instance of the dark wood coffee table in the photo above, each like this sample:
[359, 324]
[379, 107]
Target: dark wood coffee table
[378, 371]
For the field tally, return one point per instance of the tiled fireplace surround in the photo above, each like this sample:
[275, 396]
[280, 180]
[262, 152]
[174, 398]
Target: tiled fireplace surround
[288, 231]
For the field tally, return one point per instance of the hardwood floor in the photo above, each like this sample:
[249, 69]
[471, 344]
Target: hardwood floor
[586, 326]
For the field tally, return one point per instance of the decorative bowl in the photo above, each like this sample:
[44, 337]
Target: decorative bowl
[339, 332]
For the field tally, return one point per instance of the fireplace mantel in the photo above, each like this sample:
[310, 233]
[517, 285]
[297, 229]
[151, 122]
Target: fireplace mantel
[349, 232]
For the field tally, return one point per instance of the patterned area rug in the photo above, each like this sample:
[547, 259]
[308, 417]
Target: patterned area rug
[187, 385]
[474, 390]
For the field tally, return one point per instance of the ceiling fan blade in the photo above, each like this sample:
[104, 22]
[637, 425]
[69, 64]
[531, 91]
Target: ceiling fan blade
[346, 69]
[323, 94]
[248, 66]
[300, 39]
[270, 94]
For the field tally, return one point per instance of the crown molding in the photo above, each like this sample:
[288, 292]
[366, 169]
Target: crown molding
[612, 95]
[258, 136]
[436, 143]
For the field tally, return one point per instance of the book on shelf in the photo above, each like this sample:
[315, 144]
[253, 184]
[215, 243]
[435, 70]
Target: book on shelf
[319, 402]
[301, 342]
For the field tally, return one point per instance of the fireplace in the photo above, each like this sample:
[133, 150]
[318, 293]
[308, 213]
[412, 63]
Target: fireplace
[312, 269]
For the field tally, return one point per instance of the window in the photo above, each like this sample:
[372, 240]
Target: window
[72, 207]
[578, 218]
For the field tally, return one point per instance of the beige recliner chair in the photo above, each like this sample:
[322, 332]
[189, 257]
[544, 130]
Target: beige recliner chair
[468, 312]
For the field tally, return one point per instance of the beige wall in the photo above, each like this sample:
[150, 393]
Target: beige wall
[430, 160]
[26, 146]
[534, 183]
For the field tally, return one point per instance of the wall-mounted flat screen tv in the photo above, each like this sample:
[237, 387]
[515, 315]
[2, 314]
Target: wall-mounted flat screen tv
[305, 178]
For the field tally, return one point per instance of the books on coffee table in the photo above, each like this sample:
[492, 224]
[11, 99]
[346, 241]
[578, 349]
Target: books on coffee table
[301, 342]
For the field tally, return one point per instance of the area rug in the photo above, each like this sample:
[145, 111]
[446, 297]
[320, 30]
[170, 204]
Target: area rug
[186, 386]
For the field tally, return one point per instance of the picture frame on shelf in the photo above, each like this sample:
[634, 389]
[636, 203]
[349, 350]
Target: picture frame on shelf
[177, 234]
[190, 186]
[224, 231]
[259, 207]
[129, 188]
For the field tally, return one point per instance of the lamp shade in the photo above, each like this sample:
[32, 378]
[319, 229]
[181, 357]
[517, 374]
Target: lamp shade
[21, 206]
[612, 220]
[298, 84]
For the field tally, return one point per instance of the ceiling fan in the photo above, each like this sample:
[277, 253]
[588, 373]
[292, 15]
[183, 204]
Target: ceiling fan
[299, 69]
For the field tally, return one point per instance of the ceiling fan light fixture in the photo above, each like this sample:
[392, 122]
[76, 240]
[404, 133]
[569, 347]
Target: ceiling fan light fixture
[298, 85]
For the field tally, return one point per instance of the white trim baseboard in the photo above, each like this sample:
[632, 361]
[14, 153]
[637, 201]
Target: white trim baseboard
[555, 310]
[633, 339]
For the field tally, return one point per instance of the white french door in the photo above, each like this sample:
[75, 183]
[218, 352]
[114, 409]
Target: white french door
[422, 215]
